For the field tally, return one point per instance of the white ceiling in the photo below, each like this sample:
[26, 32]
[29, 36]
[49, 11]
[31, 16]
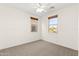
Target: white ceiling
[31, 7]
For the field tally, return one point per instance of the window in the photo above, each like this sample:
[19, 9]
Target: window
[34, 24]
[52, 23]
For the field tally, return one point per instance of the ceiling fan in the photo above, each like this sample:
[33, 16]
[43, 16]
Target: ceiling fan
[43, 7]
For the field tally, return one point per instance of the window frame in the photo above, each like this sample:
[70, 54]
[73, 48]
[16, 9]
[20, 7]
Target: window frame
[50, 17]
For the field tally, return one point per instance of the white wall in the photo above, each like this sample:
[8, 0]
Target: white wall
[15, 27]
[67, 35]
[78, 29]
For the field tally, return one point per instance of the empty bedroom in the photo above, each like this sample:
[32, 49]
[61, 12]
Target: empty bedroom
[39, 29]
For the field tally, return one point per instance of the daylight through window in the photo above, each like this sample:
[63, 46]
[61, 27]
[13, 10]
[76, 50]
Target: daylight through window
[52, 23]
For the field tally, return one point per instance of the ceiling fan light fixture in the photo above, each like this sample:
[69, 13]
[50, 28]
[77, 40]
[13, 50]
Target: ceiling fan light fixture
[40, 10]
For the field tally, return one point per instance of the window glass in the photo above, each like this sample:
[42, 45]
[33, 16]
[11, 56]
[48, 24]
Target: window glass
[52, 24]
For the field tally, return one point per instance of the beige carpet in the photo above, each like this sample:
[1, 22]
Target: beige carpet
[38, 48]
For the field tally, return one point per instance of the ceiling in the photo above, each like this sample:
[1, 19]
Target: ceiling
[31, 7]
